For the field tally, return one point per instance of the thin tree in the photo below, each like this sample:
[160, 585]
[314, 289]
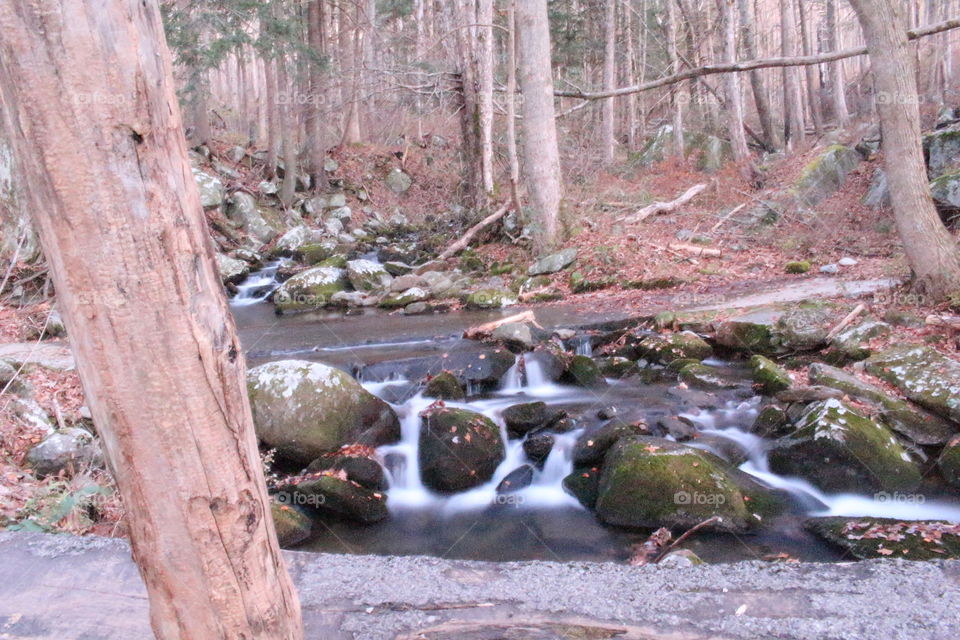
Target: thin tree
[731, 83]
[88, 103]
[673, 59]
[931, 250]
[771, 135]
[793, 126]
[484, 54]
[836, 79]
[608, 136]
[541, 154]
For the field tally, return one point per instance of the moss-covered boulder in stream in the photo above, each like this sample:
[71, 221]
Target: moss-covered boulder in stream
[459, 449]
[840, 450]
[769, 376]
[667, 348]
[367, 275]
[444, 386]
[584, 372]
[583, 483]
[653, 482]
[332, 492]
[310, 289]
[305, 409]
[923, 374]
[826, 174]
[867, 538]
[292, 526]
[701, 376]
[949, 462]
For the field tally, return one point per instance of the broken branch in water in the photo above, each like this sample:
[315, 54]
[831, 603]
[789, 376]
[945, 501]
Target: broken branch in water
[666, 207]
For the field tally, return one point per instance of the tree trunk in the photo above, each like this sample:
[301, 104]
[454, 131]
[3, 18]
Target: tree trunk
[470, 117]
[838, 84]
[608, 134]
[512, 106]
[314, 117]
[794, 131]
[771, 136]
[675, 98]
[119, 215]
[484, 52]
[930, 248]
[541, 155]
[288, 129]
[351, 59]
[813, 79]
[731, 82]
[273, 116]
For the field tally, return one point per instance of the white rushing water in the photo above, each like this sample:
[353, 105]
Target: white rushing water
[258, 285]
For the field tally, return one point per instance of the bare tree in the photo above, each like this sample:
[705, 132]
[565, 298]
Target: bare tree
[541, 155]
[674, 61]
[87, 99]
[793, 126]
[317, 47]
[771, 135]
[930, 248]
[731, 82]
[608, 136]
[837, 81]
[484, 55]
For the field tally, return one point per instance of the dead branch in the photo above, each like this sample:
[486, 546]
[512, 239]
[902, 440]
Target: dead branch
[703, 252]
[487, 328]
[665, 207]
[689, 532]
[846, 322]
[952, 322]
[464, 241]
[727, 217]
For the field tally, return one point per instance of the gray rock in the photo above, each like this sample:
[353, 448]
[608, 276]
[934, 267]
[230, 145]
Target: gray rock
[830, 268]
[398, 181]
[366, 275]
[802, 329]
[404, 282]
[515, 334]
[310, 289]
[333, 226]
[231, 269]
[553, 263]
[69, 448]
[847, 262]
[210, 187]
[878, 195]
[946, 191]
[295, 238]
[923, 374]
[825, 175]
[267, 188]
[942, 149]
[353, 299]
[336, 201]
[242, 210]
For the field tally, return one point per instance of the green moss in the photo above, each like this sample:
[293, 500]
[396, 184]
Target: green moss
[584, 372]
[666, 349]
[292, 526]
[768, 376]
[444, 386]
[867, 538]
[581, 284]
[798, 266]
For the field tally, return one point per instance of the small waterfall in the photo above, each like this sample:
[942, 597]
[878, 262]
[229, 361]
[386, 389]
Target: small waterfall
[258, 285]
[584, 346]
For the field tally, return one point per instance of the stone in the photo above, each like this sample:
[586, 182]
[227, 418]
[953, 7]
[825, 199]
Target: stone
[417, 308]
[768, 376]
[652, 482]
[268, 188]
[771, 422]
[946, 191]
[295, 238]
[830, 269]
[516, 335]
[681, 558]
[397, 269]
[231, 269]
[676, 346]
[310, 289]
[942, 150]
[521, 419]
[825, 175]
[745, 335]
[840, 450]
[398, 181]
[242, 211]
[71, 449]
[802, 329]
[444, 386]
[878, 195]
[538, 447]
[291, 524]
[366, 275]
[583, 483]
[949, 462]
[336, 201]
[616, 367]
[408, 281]
[44, 354]
[211, 189]
[332, 493]
[593, 445]
[706, 377]
[490, 299]
[353, 299]
[923, 374]
[358, 468]
[584, 372]
[459, 449]
[847, 262]
[306, 409]
[333, 227]
[519, 478]
[410, 296]
[553, 262]
[853, 343]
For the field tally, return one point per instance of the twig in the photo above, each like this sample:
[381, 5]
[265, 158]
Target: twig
[689, 532]
[843, 324]
[13, 261]
[727, 217]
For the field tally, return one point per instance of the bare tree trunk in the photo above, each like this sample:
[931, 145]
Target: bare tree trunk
[512, 106]
[771, 136]
[930, 248]
[794, 130]
[838, 84]
[675, 101]
[731, 82]
[119, 215]
[273, 116]
[470, 117]
[813, 80]
[541, 155]
[315, 40]
[484, 52]
[630, 67]
[288, 130]
[351, 60]
[608, 134]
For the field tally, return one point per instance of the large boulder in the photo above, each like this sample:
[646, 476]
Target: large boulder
[553, 262]
[825, 175]
[746, 334]
[306, 409]
[210, 187]
[653, 482]
[68, 449]
[923, 374]
[840, 450]
[332, 492]
[310, 289]
[231, 269]
[942, 149]
[367, 275]
[676, 346]
[917, 425]
[243, 211]
[291, 524]
[459, 449]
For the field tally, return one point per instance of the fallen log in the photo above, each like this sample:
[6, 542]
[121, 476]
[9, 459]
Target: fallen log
[705, 252]
[464, 241]
[487, 328]
[665, 207]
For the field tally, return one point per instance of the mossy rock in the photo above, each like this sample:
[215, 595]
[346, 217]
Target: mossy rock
[583, 483]
[768, 376]
[490, 299]
[444, 386]
[771, 422]
[797, 266]
[701, 376]
[403, 298]
[310, 289]
[359, 468]
[367, 275]
[338, 261]
[579, 283]
[853, 343]
[802, 329]
[869, 538]
[949, 462]
[521, 419]
[653, 482]
[826, 174]
[593, 445]
[923, 374]
[746, 336]
[319, 252]
[459, 449]
[616, 367]
[840, 450]
[292, 526]
[584, 372]
[334, 494]
[676, 346]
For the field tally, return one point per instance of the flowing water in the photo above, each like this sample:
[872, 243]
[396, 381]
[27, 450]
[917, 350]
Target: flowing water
[540, 521]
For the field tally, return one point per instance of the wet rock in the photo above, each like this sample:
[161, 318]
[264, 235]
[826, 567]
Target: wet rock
[210, 187]
[802, 329]
[538, 447]
[949, 462]
[242, 210]
[678, 428]
[334, 494]
[840, 450]
[231, 269]
[361, 469]
[616, 367]
[878, 195]
[768, 376]
[852, 344]
[419, 308]
[310, 289]
[515, 335]
[521, 419]
[292, 526]
[553, 262]
[398, 181]
[676, 346]
[865, 538]
[942, 149]
[306, 409]
[395, 300]
[702, 376]
[651, 482]
[825, 175]
[915, 424]
[592, 446]
[584, 372]
[771, 422]
[694, 398]
[583, 483]
[490, 299]
[745, 335]
[366, 275]
[71, 449]
[459, 449]
[519, 478]
[444, 386]
[923, 374]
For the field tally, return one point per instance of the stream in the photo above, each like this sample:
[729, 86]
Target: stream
[541, 521]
